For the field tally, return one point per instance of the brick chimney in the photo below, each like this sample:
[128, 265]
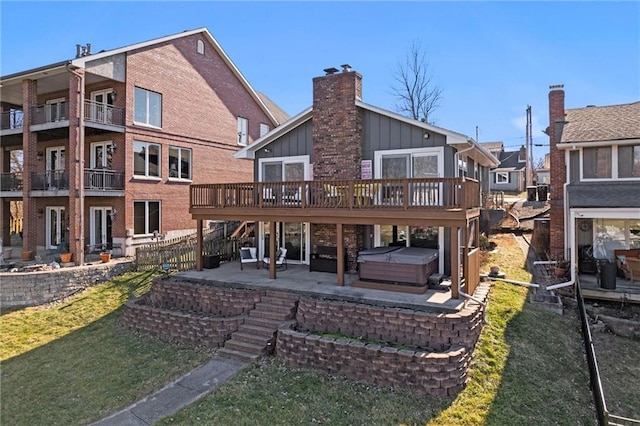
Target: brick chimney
[558, 171]
[337, 125]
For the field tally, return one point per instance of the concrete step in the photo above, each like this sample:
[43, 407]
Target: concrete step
[238, 355]
[256, 339]
[240, 346]
[257, 330]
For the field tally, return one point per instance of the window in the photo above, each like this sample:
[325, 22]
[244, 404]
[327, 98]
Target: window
[629, 161]
[200, 47]
[148, 107]
[243, 130]
[264, 129]
[596, 163]
[400, 164]
[102, 155]
[146, 217]
[179, 163]
[146, 159]
[502, 177]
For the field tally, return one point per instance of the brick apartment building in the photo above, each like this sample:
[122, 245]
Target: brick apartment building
[109, 142]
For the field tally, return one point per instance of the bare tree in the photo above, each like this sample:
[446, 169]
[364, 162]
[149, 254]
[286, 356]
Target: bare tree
[418, 94]
[539, 164]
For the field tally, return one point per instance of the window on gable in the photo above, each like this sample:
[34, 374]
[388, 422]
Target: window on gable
[200, 47]
[146, 217]
[179, 163]
[629, 161]
[146, 159]
[148, 107]
[502, 177]
[264, 129]
[596, 162]
[243, 130]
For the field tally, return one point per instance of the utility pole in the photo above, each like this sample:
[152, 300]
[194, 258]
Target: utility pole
[529, 149]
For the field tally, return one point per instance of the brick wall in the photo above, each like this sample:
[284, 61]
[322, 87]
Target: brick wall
[18, 290]
[437, 331]
[435, 374]
[558, 171]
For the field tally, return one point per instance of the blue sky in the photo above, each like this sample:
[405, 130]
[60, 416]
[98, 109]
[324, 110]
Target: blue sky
[491, 59]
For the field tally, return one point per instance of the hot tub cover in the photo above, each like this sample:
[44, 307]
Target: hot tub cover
[406, 255]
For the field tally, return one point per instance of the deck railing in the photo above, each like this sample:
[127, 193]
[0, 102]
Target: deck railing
[51, 180]
[103, 179]
[50, 113]
[11, 181]
[98, 112]
[421, 193]
[11, 119]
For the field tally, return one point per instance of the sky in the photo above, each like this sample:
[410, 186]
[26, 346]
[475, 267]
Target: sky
[490, 59]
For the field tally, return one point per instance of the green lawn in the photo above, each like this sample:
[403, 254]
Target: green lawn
[69, 364]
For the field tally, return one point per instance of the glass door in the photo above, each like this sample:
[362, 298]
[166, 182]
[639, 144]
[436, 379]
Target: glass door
[56, 227]
[54, 110]
[55, 167]
[101, 110]
[100, 227]
[294, 237]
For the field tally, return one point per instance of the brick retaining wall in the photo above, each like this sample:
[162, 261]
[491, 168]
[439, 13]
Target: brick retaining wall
[22, 289]
[436, 374]
[175, 326]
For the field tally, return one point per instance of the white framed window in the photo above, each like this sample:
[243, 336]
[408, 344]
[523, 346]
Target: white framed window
[148, 107]
[264, 129]
[101, 108]
[146, 217]
[502, 177]
[55, 110]
[179, 163]
[409, 163]
[101, 156]
[146, 159]
[200, 47]
[243, 131]
[629, 161]
[283, 169]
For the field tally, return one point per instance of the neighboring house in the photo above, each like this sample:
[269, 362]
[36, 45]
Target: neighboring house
[353, 176]
[110, 141]
[510, 175]
[595, 178]
[543, 175]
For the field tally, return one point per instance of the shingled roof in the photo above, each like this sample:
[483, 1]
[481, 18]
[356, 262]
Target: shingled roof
[606, 123]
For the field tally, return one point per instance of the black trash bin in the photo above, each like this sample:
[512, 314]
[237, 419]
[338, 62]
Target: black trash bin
[607, 272]
[531, 193]
[542, 193]
[211, 261]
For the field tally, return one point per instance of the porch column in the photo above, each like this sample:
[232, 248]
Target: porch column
[455, 263]
[199, 245]
[339, 251]
[272, 250]
[30, 220]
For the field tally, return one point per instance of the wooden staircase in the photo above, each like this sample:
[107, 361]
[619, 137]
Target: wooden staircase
[257, 335]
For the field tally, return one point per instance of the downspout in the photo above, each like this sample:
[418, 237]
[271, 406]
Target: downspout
[80, 253]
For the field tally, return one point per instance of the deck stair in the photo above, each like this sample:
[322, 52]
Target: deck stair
[256, 337]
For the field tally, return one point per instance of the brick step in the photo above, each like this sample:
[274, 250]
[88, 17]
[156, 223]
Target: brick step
[263, 322]
[283, 295]
[256, 339]
[257, 330]
[237, 355]
[240, 346]
[276, 316]
[272, 300]
[288, 311]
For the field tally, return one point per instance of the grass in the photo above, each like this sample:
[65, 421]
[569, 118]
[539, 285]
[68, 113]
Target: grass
[527, 369]
[69, 364]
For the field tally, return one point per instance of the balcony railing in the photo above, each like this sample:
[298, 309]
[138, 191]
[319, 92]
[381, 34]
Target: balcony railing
[424, 193]
[103, 180]
[11, 181]
[11, 120]
[97, 112]
[50, 113]
[51, 180]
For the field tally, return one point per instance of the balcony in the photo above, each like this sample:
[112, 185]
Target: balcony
[101, 116]
[10, 120]
[11, 182]
[56, 114]
[103, 180]
[441, 201]
[52, 180]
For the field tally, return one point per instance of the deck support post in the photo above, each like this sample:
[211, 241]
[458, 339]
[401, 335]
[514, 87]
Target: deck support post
[339, 251]
[199, 245]
[455, 263]
[272, 250]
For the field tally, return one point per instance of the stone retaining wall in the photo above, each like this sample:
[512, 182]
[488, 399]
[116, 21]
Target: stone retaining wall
[175, 326]
[436, 374]
[22, 289]
[171, 293]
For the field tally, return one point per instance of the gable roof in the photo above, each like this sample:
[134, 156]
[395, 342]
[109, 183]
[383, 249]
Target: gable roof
[481, 154]
[602, 124]
[510, 162]
[493, 146]
[83, 60]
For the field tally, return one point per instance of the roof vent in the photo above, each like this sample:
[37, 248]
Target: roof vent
[591, 106]
[330, 71]
[83, 50]
[346, 67]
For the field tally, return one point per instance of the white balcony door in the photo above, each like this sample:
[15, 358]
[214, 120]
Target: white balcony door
[54, 110]
[100, 226]
[56, 226]
[102, 155]
[100, 110]
[55, 165]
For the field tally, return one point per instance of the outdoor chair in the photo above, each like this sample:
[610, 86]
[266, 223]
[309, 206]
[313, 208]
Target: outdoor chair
[281, 259]
[248, 255]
